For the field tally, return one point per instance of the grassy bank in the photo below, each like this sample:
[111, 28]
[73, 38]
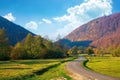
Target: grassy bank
[53, 74]
[32, 69]
[105, 65]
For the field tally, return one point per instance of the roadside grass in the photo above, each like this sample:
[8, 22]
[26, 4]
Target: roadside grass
[57, 73]
[105, 65]
[26, 69]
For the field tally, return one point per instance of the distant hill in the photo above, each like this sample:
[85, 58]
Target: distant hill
[102, 32]
[74, 43]
[14, 32]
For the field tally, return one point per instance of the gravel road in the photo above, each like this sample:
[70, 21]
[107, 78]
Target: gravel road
[78, 72]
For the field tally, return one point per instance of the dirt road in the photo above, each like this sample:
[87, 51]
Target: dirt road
[78, 72]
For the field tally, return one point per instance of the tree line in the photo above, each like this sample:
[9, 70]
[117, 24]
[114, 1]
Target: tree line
[36, 47]
[31, 47]
[113, 51]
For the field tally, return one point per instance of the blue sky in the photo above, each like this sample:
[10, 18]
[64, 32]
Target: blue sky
[55, 17]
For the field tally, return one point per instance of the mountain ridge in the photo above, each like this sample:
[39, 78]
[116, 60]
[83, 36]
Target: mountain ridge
[98, 30]
[15, 33]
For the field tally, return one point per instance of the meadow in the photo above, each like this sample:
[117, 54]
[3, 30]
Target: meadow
[48, 69]
[105, 65]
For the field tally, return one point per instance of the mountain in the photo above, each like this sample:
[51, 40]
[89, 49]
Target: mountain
[102, 32]
[14, 32]
[75, 43]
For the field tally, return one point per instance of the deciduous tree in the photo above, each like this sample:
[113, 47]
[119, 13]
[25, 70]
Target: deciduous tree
[4, 45]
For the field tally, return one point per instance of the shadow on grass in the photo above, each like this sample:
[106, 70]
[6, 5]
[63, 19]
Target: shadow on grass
[40, 72]
[14, 68]
[85, 64]
[33, 73]
[46, 69]
[33, 62]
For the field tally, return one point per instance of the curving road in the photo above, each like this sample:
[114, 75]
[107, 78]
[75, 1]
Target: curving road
[79, 73]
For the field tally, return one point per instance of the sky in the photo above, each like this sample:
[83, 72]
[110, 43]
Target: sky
[55, 18]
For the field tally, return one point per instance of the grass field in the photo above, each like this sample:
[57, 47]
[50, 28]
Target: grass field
[33, 69]
[105, 65]
[57, 73]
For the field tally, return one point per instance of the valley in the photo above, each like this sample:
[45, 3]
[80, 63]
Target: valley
[59, 40]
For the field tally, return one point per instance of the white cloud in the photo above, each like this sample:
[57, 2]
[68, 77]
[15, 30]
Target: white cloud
[10, 17]
[31, 25]
[81, 14]
[46, 21]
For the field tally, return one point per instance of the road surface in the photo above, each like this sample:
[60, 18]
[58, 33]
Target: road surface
[78, 72]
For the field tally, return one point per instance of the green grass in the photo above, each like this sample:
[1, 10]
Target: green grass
[105, 65]
[53, 74]
[32, 69]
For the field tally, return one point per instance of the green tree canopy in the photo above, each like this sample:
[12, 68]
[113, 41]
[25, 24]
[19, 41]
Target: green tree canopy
[18, 52]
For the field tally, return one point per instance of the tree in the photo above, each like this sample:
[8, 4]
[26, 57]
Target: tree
[110, 50]
[69, 52]
[18, 52]
[39, 48]
[4, 45]
[96, 51]
[116, 52]
[34, 47]
[73, 51]
[28, 45]
[81, 50]
[49, 44]
[102, 52]
[89, 51]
